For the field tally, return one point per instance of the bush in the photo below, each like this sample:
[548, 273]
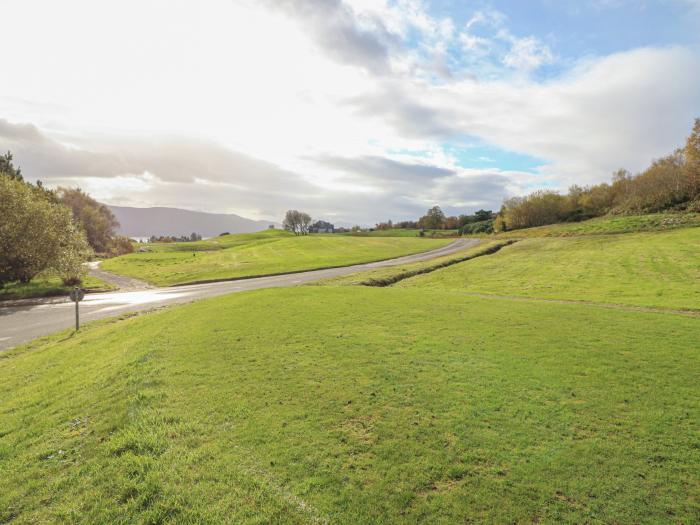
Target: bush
[120, 245]
[477, 227]
[37, 233]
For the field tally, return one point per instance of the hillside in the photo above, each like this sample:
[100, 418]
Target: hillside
[268, 252]
[453, 397]
[144, 222]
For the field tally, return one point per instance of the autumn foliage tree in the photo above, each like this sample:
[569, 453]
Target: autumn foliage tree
[434, 219]
[97, 220]
[670, 183]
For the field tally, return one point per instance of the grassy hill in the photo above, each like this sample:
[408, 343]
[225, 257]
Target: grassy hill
[608, 225]
[404, 232]
[659, 269]
[414, 403]
[255, 254]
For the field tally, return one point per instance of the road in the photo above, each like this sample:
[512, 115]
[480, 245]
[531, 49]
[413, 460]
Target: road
[22, 321]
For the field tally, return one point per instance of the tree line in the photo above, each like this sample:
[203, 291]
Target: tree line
[44, 230]
[178, 238]
[435, 219]
[671, 183]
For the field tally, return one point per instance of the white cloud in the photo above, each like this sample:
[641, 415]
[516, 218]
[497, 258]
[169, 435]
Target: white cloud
[527, 54]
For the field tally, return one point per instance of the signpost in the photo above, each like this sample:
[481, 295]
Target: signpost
[76, 295]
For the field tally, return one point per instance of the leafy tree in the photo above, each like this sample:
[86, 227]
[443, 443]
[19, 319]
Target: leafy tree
[483, 215]
[434, 219]
[99, 223]
[692, 160]
[37, 234]
[6, 167]
[297, 222]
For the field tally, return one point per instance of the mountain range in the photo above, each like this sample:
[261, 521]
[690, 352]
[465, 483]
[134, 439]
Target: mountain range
[144, 222]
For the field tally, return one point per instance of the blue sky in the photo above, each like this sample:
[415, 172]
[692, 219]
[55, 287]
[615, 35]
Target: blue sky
[353, 110]
[577, 29]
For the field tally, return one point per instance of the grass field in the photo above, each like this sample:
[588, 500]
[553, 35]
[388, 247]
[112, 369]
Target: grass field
[659, 269]
[404, 232]
[221, 242]
[399, 406]
[611, 225]
[266, 253]
[46, 286]
[379, 276]
[414, 403]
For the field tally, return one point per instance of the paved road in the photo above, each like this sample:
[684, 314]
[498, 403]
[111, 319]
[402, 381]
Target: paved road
[21, 321]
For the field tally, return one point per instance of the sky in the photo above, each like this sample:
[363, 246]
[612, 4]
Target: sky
[356, 111]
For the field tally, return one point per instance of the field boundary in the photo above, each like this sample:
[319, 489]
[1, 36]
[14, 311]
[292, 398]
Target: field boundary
[388, 281]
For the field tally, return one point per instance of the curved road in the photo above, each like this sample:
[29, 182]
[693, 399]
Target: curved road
[21, 321]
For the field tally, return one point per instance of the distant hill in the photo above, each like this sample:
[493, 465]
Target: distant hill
[144, 222]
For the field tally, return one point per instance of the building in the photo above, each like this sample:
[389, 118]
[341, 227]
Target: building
[321, 227]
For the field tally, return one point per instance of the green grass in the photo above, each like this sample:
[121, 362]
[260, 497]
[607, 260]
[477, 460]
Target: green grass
[392, 273]
[648, 269]
[266, 253]
[221, 242]
[356, 405]
[416, 403]
[46, 286]
[611, 225]
[404, 232]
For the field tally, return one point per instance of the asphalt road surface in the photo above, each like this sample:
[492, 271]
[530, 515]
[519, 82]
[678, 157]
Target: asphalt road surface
[21, 321]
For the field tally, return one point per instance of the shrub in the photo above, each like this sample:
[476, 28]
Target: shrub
[37, 233]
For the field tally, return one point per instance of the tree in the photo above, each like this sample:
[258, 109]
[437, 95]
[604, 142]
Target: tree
[97, 220]
[6, 167]
[434, 219]
[297, 222]
[451, 223]
[483, 215]
[37, 233]
[691, 153]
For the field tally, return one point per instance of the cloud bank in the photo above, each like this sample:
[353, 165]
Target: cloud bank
[353, 110]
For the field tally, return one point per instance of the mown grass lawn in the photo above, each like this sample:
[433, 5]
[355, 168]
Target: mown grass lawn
[660, 269]
[356, 405]
[404, 232]
[265, 254]
[215, 243]
[45, 286]
[382, 276]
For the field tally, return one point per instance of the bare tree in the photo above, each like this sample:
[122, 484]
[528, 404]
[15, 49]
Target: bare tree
[297, 222]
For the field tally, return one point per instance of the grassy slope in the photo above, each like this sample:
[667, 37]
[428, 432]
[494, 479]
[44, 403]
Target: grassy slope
[247, 256]
[649, 269]
[216, 243]
[352, 404]
[379, 274]
[49, 286]
[403, 232]
[612, 225]
[400, 405]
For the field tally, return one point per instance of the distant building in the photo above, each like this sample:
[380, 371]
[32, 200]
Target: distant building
[271, 227]
[322, 227]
